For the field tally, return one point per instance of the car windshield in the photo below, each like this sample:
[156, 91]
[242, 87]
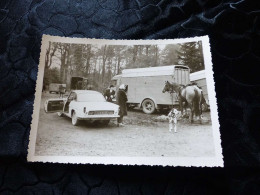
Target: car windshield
[90, 98]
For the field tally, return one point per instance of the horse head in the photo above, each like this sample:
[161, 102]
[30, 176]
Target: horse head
[167, 87]
[171, 87]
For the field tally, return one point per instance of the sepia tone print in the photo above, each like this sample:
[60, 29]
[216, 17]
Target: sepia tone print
[137, 102]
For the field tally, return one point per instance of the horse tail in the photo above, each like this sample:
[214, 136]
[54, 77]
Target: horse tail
[203, 100]
[196, 103]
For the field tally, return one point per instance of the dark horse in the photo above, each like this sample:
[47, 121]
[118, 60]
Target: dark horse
[189, 95]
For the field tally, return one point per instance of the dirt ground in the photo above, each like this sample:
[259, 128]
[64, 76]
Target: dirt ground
[142, 135]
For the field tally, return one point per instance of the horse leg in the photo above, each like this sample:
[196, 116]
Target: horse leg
[186, 113]
[200, 115]
[175, 125]
[181, 107]
[191, 116]
[185, 104]
[191, 113]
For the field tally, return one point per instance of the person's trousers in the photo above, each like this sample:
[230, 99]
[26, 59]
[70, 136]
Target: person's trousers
[120, 119]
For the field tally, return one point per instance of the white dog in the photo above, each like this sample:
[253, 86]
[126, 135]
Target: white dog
[172, 116]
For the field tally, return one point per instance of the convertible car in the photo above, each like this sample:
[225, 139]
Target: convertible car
[83, 105]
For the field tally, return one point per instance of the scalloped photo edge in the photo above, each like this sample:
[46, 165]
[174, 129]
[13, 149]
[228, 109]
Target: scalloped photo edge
[215, 160]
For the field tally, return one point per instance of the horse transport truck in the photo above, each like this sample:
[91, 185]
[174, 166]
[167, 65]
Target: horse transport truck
[145, 86]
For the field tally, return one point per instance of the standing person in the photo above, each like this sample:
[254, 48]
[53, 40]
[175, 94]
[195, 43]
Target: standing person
[60, 91]
[109, 93]
[79, 85]
[121, 99]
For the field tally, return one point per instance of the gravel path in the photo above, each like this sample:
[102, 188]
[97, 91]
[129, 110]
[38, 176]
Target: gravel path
[141, 136]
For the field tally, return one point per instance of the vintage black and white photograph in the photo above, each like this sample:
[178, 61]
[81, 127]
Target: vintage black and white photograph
[128, 102]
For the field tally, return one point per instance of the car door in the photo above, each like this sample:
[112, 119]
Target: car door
[54, 105]
[70, 98]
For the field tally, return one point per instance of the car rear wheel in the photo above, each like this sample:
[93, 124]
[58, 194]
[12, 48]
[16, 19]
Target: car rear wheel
[148, 106]
[60, 114]
[74, 119]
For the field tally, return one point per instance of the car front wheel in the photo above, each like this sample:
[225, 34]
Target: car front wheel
[74, 119]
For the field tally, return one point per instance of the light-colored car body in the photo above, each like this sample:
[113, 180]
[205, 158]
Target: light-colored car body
[83, 105]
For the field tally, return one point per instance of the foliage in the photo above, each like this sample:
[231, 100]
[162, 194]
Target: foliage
[99, 63]
[51, 75]
[190, 54]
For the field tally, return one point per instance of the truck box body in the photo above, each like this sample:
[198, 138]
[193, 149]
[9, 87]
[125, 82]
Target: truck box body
[148, 83]
[78, 83]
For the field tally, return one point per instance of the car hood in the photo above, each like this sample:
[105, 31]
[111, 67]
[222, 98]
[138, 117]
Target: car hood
[98, 105]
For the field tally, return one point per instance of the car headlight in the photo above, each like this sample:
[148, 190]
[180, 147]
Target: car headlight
[85, 110]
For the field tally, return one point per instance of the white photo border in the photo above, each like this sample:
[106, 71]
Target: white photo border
[216, 161]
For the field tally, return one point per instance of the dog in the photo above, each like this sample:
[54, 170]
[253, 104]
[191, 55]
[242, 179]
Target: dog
[172, 116]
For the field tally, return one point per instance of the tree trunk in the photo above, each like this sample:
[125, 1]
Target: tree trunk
[147, 50]
[118, 64]
[104, 58]
[47, 56]
[88, 58]
[62, 65]
[156, 55]
[50, 54]
[135, 50]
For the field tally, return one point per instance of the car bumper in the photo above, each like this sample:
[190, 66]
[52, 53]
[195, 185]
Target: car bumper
[105, 117]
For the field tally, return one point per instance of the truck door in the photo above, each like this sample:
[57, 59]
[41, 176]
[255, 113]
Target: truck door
[181, 76]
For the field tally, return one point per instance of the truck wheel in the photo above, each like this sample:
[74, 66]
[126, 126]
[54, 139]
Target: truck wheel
[74, 119]
[204, 107]
[148, 106]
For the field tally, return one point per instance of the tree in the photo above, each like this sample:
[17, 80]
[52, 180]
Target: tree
[169, 55]
[190, 54]
[51, 75]
[104, 59]
[87, 57]
[65, 59]
[50, 53]
[156, 55]
[77, 58]
[119, 54]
